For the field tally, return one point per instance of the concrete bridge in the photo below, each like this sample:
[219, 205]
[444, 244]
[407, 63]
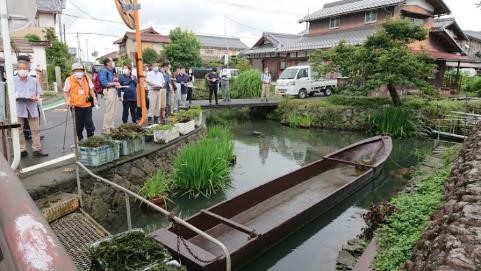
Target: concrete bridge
[256, 102]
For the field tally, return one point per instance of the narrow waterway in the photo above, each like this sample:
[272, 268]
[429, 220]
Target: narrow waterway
[278, 151]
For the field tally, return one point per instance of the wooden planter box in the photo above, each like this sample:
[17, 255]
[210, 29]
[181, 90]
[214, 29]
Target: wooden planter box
[165, 136]
[94, 157]
[128, 147]
[185, 128]
[198, 122]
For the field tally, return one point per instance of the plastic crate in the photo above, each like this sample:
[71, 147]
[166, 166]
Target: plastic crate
[185, 128]
[128, 147]
[94, 157]
[165, 136]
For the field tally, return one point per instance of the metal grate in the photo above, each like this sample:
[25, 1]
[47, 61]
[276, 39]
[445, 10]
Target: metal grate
[77, 231]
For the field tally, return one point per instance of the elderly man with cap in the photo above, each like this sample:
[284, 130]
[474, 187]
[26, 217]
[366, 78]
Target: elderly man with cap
[80, 97]
[27, 94]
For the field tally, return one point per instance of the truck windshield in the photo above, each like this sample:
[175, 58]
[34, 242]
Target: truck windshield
[288, 74]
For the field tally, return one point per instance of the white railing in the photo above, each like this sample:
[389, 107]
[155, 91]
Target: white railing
[170, 215]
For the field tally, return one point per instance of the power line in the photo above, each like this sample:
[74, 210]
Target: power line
[92, 18]
[83, 11]
[242, 24]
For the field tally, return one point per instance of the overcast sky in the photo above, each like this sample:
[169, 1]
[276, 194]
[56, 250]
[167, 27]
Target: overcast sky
[246, 19]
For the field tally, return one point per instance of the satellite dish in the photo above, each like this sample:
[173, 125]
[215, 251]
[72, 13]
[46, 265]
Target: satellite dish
[21, 13]
[124, 7]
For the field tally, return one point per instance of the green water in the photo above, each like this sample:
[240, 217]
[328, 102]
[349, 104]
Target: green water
[284, 149]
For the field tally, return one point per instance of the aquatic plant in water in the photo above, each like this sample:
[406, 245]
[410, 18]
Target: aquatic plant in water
[395, 121]
[203, 168]
[297, 119]
[156, 186]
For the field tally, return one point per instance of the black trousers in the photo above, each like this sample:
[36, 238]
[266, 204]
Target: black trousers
[189, 94]
[213, 90]
[132, 107]
[83, 119]
[139, 109]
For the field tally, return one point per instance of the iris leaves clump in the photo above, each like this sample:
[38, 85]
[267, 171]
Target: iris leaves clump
[395, 121]
[202, 169]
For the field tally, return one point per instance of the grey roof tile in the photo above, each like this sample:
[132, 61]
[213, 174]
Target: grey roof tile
[473, 35]
[221, 42]
[348, 6]
[53, 6]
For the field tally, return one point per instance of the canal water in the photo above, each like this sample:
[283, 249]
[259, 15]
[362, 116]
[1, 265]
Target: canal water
[278, 151]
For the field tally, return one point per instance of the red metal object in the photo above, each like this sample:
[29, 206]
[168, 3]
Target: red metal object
[258, 219]
[26, 240]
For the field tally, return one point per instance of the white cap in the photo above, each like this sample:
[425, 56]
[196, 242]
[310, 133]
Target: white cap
[77, 66]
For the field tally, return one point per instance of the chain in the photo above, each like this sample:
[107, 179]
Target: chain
[176, 228]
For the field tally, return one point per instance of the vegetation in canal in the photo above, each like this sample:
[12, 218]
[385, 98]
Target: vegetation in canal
[127, 131]
[303, 120]
[397, 237]
[95, 142]
[248, 84]
[132, 250]
[202, 169]
[375, 217]
[395, 121]
[156, 186]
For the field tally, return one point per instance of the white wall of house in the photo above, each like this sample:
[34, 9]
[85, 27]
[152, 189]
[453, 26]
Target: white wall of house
[420, 3]
[40, 57]
[46, 20]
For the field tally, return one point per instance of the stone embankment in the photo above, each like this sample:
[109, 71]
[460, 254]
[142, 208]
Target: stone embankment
[452, 239]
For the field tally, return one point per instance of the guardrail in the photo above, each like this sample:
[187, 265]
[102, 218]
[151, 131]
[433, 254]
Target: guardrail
[26, 240]
[170, 215]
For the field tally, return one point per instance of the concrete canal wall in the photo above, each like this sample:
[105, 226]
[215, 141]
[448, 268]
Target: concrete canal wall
[452, 239]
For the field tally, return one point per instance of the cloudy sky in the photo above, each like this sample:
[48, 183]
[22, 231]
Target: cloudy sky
[246, 19]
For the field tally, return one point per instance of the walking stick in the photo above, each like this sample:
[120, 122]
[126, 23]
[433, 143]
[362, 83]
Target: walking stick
[65, 132]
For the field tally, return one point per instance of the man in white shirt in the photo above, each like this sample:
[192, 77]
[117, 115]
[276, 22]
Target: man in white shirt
[266, 84]
[224, 84]
[157, 93]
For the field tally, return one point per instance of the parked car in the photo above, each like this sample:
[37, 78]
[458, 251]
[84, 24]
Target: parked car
[300, 81]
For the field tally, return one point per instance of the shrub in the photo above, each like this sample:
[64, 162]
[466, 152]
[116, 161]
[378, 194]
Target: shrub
[297, 119]
[203, 168]
[155, 186]
[248, 84]
[32, 37]
[395, 121]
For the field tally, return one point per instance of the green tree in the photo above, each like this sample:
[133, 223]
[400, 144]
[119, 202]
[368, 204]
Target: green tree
[57, 55]
[149, 55]
[183, 49]
[240, 63]
[124, 60]
[383, 59]
[32, 37]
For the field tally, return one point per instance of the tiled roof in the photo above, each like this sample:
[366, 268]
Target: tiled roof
[53, 6]
[147, 35]
[221, 42]
[473, 35]
[348, 6]
[443, 23]
[301, 43]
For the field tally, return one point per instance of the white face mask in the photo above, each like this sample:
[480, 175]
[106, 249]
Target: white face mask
[22, 73]
[156, 69]
[79, 75]
[126, 71]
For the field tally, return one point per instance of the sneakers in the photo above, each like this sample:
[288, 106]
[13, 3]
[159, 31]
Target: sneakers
[40, 153]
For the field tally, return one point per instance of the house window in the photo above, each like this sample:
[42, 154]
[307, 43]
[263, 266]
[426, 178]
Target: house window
[417, 21]
[334, 22]
[370, 16]
[282, 65]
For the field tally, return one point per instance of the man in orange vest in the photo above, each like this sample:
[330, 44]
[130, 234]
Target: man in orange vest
[80, 97]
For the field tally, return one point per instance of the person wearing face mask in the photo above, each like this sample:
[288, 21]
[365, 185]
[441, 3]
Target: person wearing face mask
[190, 86]
[157, 93]
[79, 96]
[27, 94]
[183, 79]
[129, 99]
[107, 80]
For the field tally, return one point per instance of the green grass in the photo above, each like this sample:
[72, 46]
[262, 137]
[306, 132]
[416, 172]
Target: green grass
[156, 186]
[297, 120]
[203, 169]
[247, 85]
[398, 236]
[395, 121]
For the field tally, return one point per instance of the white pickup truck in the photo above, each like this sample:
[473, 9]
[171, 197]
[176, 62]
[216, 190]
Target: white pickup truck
[299, 81]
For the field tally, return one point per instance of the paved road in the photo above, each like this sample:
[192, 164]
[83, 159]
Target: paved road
[54, 128]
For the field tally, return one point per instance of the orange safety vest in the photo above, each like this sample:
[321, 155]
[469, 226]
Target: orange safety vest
[79, 99]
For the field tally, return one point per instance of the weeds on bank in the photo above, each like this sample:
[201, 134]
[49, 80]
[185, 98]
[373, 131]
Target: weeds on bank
[296, 120]
[397, 122]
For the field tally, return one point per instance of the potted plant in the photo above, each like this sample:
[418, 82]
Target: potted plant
[184, 121]
[156, 189]
[96, 151]
[131, 138]
[196, 112]
[149, 134]
[165, 133]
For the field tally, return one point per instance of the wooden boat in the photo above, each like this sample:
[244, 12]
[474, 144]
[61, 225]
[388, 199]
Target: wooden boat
[259, 218]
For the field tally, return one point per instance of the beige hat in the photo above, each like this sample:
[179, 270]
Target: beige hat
[77, 66]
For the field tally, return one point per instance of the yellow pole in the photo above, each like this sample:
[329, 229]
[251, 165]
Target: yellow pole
[140, 66]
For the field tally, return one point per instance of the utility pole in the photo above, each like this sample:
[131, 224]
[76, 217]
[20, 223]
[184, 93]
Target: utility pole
[79, 52]
[87, 50]
[64, 35]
